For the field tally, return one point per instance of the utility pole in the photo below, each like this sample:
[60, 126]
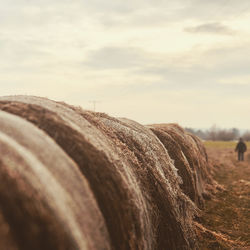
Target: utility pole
[94, 102]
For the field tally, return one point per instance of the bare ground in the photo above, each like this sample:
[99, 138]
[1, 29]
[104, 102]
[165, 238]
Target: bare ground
[226, 217]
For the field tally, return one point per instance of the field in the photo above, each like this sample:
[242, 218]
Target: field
[222, 144]
[228, 212]
[114, 183]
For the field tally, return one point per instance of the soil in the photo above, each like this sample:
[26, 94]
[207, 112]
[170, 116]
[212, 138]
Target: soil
[226, 217]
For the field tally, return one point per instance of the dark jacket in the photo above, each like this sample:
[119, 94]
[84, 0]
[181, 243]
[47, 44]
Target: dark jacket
[241, 147]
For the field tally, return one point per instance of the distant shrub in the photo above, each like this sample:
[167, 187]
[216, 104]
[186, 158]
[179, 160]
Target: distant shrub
[246, 136]
[217, 134]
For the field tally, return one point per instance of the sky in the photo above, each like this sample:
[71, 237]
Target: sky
[182, 61]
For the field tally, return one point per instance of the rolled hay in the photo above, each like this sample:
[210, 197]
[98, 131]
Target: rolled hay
[45, 202]
[128, 169]
[6, 240]
[190, 159]
[112, 181]
[171, 213]
[210, 185]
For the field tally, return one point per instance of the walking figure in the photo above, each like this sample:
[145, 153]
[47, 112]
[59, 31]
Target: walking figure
[241, 148]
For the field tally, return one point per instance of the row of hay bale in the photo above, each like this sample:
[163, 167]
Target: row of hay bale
[190, 158]
[75, 179]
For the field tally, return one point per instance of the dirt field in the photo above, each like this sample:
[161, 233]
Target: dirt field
[227, 215]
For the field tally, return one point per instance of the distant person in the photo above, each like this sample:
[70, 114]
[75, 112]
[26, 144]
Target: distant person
[241, 148]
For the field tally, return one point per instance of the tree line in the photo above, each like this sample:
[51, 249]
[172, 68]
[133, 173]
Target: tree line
[218, 134]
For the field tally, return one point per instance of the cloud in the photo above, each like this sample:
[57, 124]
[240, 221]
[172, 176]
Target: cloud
[116, 12]
[129, 52]
[116, 58]
[236, 81]
[135, 71]
[212, 28]
[215, 10]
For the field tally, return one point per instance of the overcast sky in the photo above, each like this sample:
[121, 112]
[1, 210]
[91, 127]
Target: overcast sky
[154, 61]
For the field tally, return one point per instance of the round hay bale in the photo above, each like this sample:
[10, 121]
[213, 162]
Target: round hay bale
[171, 213]
[6, 239]
[128, 169]
[189, 157]
[113, 183]
[209, 185]
[45, 200]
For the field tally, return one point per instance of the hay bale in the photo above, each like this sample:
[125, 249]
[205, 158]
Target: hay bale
[114, 185]
[6, 239]
[190, 159]
[45, 201]
[128, 169]
[171, 213]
